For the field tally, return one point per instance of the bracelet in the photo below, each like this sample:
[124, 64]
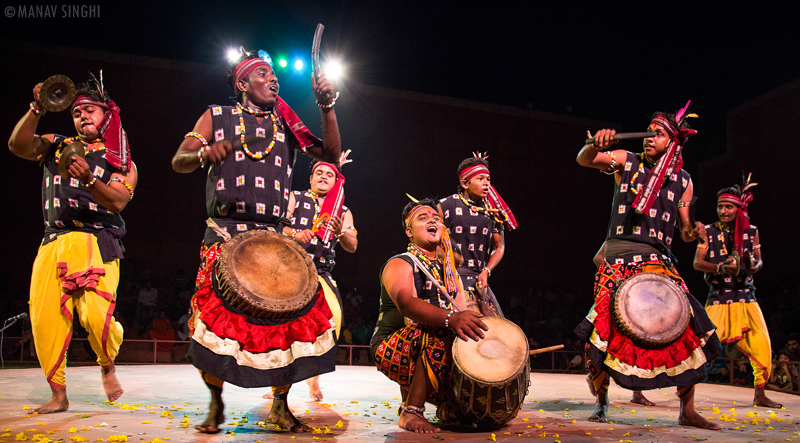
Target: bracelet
[205, 146]
[611, 168]
[294, 234]
[355, 232]
[94, 179]
[719, 266]
[124, 183]
[36, 111]
[758, 246]
[488, 270]
[329, 105]
[447, 319]
[684, 204]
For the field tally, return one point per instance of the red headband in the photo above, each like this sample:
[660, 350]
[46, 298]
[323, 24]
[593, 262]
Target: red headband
[244, 68]
[86, 100]
[472, 171]
[330, 165]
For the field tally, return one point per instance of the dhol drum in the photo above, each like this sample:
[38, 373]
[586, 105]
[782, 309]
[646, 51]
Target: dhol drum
[491, 376]
[651, 309]
[266, 275]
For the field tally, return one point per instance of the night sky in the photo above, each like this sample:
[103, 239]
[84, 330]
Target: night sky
[610, 63]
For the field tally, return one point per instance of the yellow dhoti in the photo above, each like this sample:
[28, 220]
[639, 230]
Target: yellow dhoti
[743, 323]
[69, 274]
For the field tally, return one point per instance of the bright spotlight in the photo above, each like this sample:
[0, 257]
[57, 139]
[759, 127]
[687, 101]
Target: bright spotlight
[232, 54]
[282, 62]
[334, 70]
[298, 65]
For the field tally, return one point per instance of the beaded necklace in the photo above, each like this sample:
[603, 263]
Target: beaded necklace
[420, 254]
[650, 164]
[496, 214]
[257, 155]
[314, 197]
[82, 139]
[722, 231]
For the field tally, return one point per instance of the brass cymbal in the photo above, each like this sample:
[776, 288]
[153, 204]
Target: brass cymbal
[738, 262]
[57, 93]
[72, 150]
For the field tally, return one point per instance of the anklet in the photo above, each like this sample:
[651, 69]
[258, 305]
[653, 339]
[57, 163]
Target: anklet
[416, 410]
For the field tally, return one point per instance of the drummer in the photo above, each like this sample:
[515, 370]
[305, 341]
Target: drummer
[249, 150]
[732, 301]
[417, 322]
[304, 213]
[477, 217]
[77, 266]
[652, 194]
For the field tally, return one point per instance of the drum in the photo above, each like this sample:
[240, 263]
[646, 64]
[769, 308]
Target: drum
[491, 376]
[266, 275]
[651, 309]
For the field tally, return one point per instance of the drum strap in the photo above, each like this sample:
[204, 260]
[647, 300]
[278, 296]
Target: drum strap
[221, 232]
[436, 283]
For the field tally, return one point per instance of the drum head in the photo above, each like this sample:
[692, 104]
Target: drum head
[267, 274]
[651, 309]
[498, 357]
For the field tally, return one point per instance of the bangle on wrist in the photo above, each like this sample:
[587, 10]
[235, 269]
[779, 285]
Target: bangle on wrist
[488, 270]
[329, 105]
[91, 182]
[447, 319]
[294, 234]
[719, 267]
[36, 111]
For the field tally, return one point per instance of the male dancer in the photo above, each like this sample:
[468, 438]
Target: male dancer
[732, 304]
[416, 353]
[304, 212]
[250, 149]
[77, 266]
[476, 218]
[652, 195]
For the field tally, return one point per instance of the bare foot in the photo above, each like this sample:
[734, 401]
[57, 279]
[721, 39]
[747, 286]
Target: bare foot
[216, 414]
[57, 403]
[313, 388]
[268, 395]
[760, 399]
[690, 417]
[110, 383]
[280, 415]
[639, 398]
[415, 423]
[600, 414]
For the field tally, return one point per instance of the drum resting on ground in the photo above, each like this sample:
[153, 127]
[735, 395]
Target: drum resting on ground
[491, 376]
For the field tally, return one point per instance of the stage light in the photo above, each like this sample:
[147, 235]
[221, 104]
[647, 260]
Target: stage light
[298, 64]
[232, 54]
[282, 63]
[333, 69]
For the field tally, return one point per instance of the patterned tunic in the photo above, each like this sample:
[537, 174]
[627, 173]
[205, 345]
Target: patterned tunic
[655, 228]
[69, 206]
[726, 288]
[241, 189]
[470, 230]
[303, 217]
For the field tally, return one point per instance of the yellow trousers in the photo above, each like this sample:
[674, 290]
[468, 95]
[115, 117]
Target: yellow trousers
[743, 324]
[69, 275]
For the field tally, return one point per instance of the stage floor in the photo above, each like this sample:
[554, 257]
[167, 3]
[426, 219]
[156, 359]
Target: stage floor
[361, 404]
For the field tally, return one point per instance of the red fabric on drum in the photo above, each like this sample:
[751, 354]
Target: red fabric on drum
[257, 338]
[622, 347]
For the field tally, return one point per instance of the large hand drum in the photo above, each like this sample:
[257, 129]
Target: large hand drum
[491, 376]
[266, 275]
[651, 310]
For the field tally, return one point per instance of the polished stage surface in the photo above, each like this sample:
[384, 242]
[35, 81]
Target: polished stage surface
[360, 404]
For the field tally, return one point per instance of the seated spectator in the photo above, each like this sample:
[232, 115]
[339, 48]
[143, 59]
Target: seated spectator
[183, 325]
[161, 329]
[780, 378]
